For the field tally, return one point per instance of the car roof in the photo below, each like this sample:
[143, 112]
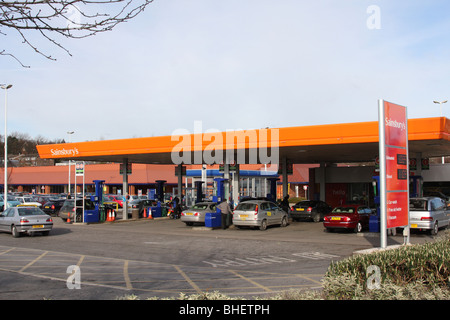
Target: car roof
[351, 206]
[255, 201]
[424, 198]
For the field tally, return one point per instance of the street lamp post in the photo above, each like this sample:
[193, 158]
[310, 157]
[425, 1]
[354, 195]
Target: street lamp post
[68, 190]
[440, 103]
[5, 200]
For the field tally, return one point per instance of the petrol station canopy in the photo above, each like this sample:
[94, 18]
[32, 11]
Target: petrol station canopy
[333, 143]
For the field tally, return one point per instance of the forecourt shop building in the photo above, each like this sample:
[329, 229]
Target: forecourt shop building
[325, 147]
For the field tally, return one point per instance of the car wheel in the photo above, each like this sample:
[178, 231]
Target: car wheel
[435, 229]
[263, 225]
[316, 217]
[284, 222]
[14, 232]
[358, 227]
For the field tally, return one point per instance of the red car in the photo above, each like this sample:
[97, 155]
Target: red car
[352, 217]
[118, 199]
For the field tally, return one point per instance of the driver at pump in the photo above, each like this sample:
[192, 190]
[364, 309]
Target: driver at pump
[226, 212]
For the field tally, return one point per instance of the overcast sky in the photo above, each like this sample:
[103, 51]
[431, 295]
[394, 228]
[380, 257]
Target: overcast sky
[234, 64]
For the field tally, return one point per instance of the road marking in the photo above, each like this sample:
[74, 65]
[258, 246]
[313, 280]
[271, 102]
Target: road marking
[302, 276]
[33, 262]
[315, 255]
[221, 277]
[193, 285]
[7, 251]
[251, 281]
[126, 275]
[81, 260]
[237, 262]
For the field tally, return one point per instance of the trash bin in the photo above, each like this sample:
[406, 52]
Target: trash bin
[91, 216]
[374, 223]
[156, 212]
[213, 220]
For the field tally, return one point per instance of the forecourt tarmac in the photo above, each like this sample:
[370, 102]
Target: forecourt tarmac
[163, 257]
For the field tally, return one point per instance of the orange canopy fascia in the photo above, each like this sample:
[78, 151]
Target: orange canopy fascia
[424, 129]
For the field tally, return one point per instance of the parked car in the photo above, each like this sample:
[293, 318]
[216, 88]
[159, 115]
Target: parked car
[351, 217]
[197, 213]
[313, 210]
[18, 220]
[140, 204]
[68, 209]
[259, 213]
[428, 213]
[53, 206]
[12, 202]
[42, 199]
[108, 200]
[28, 201]
[117, 198]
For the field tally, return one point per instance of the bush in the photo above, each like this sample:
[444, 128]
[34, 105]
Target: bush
[405, 272]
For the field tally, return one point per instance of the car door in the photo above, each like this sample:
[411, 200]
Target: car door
[280, 213]
[363, 213]
[270, 213]
[8, 219]
[3, 219]
[441, 214]
[262, 212]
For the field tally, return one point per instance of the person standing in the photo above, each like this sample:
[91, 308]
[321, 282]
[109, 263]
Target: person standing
[285, 204]
[226, 211]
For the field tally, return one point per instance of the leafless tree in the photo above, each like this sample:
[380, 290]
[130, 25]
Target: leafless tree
[55, 19]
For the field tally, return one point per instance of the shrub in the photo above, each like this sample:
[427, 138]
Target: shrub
[421, 269]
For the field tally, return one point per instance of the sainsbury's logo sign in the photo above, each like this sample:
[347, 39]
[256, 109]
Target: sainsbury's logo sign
[395, 124]
[64, 152]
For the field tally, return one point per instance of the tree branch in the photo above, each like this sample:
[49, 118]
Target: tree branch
[73, 19]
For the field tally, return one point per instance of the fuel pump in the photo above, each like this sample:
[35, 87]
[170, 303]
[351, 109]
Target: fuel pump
[272, 196]
[374, 219]
[220, 191]
[415, 186]
[199, 191]
[160, 190]
[96, 212]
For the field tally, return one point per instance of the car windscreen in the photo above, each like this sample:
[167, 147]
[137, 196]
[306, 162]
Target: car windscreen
[69, 204]
[246, 206]
[343, 210]
[30, 211]
[418, 205]
[200, 206]
[306, 204]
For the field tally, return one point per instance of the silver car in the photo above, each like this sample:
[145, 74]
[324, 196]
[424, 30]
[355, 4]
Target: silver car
[428, 213]
[197, 213]
[17, 220]
[259, 213]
